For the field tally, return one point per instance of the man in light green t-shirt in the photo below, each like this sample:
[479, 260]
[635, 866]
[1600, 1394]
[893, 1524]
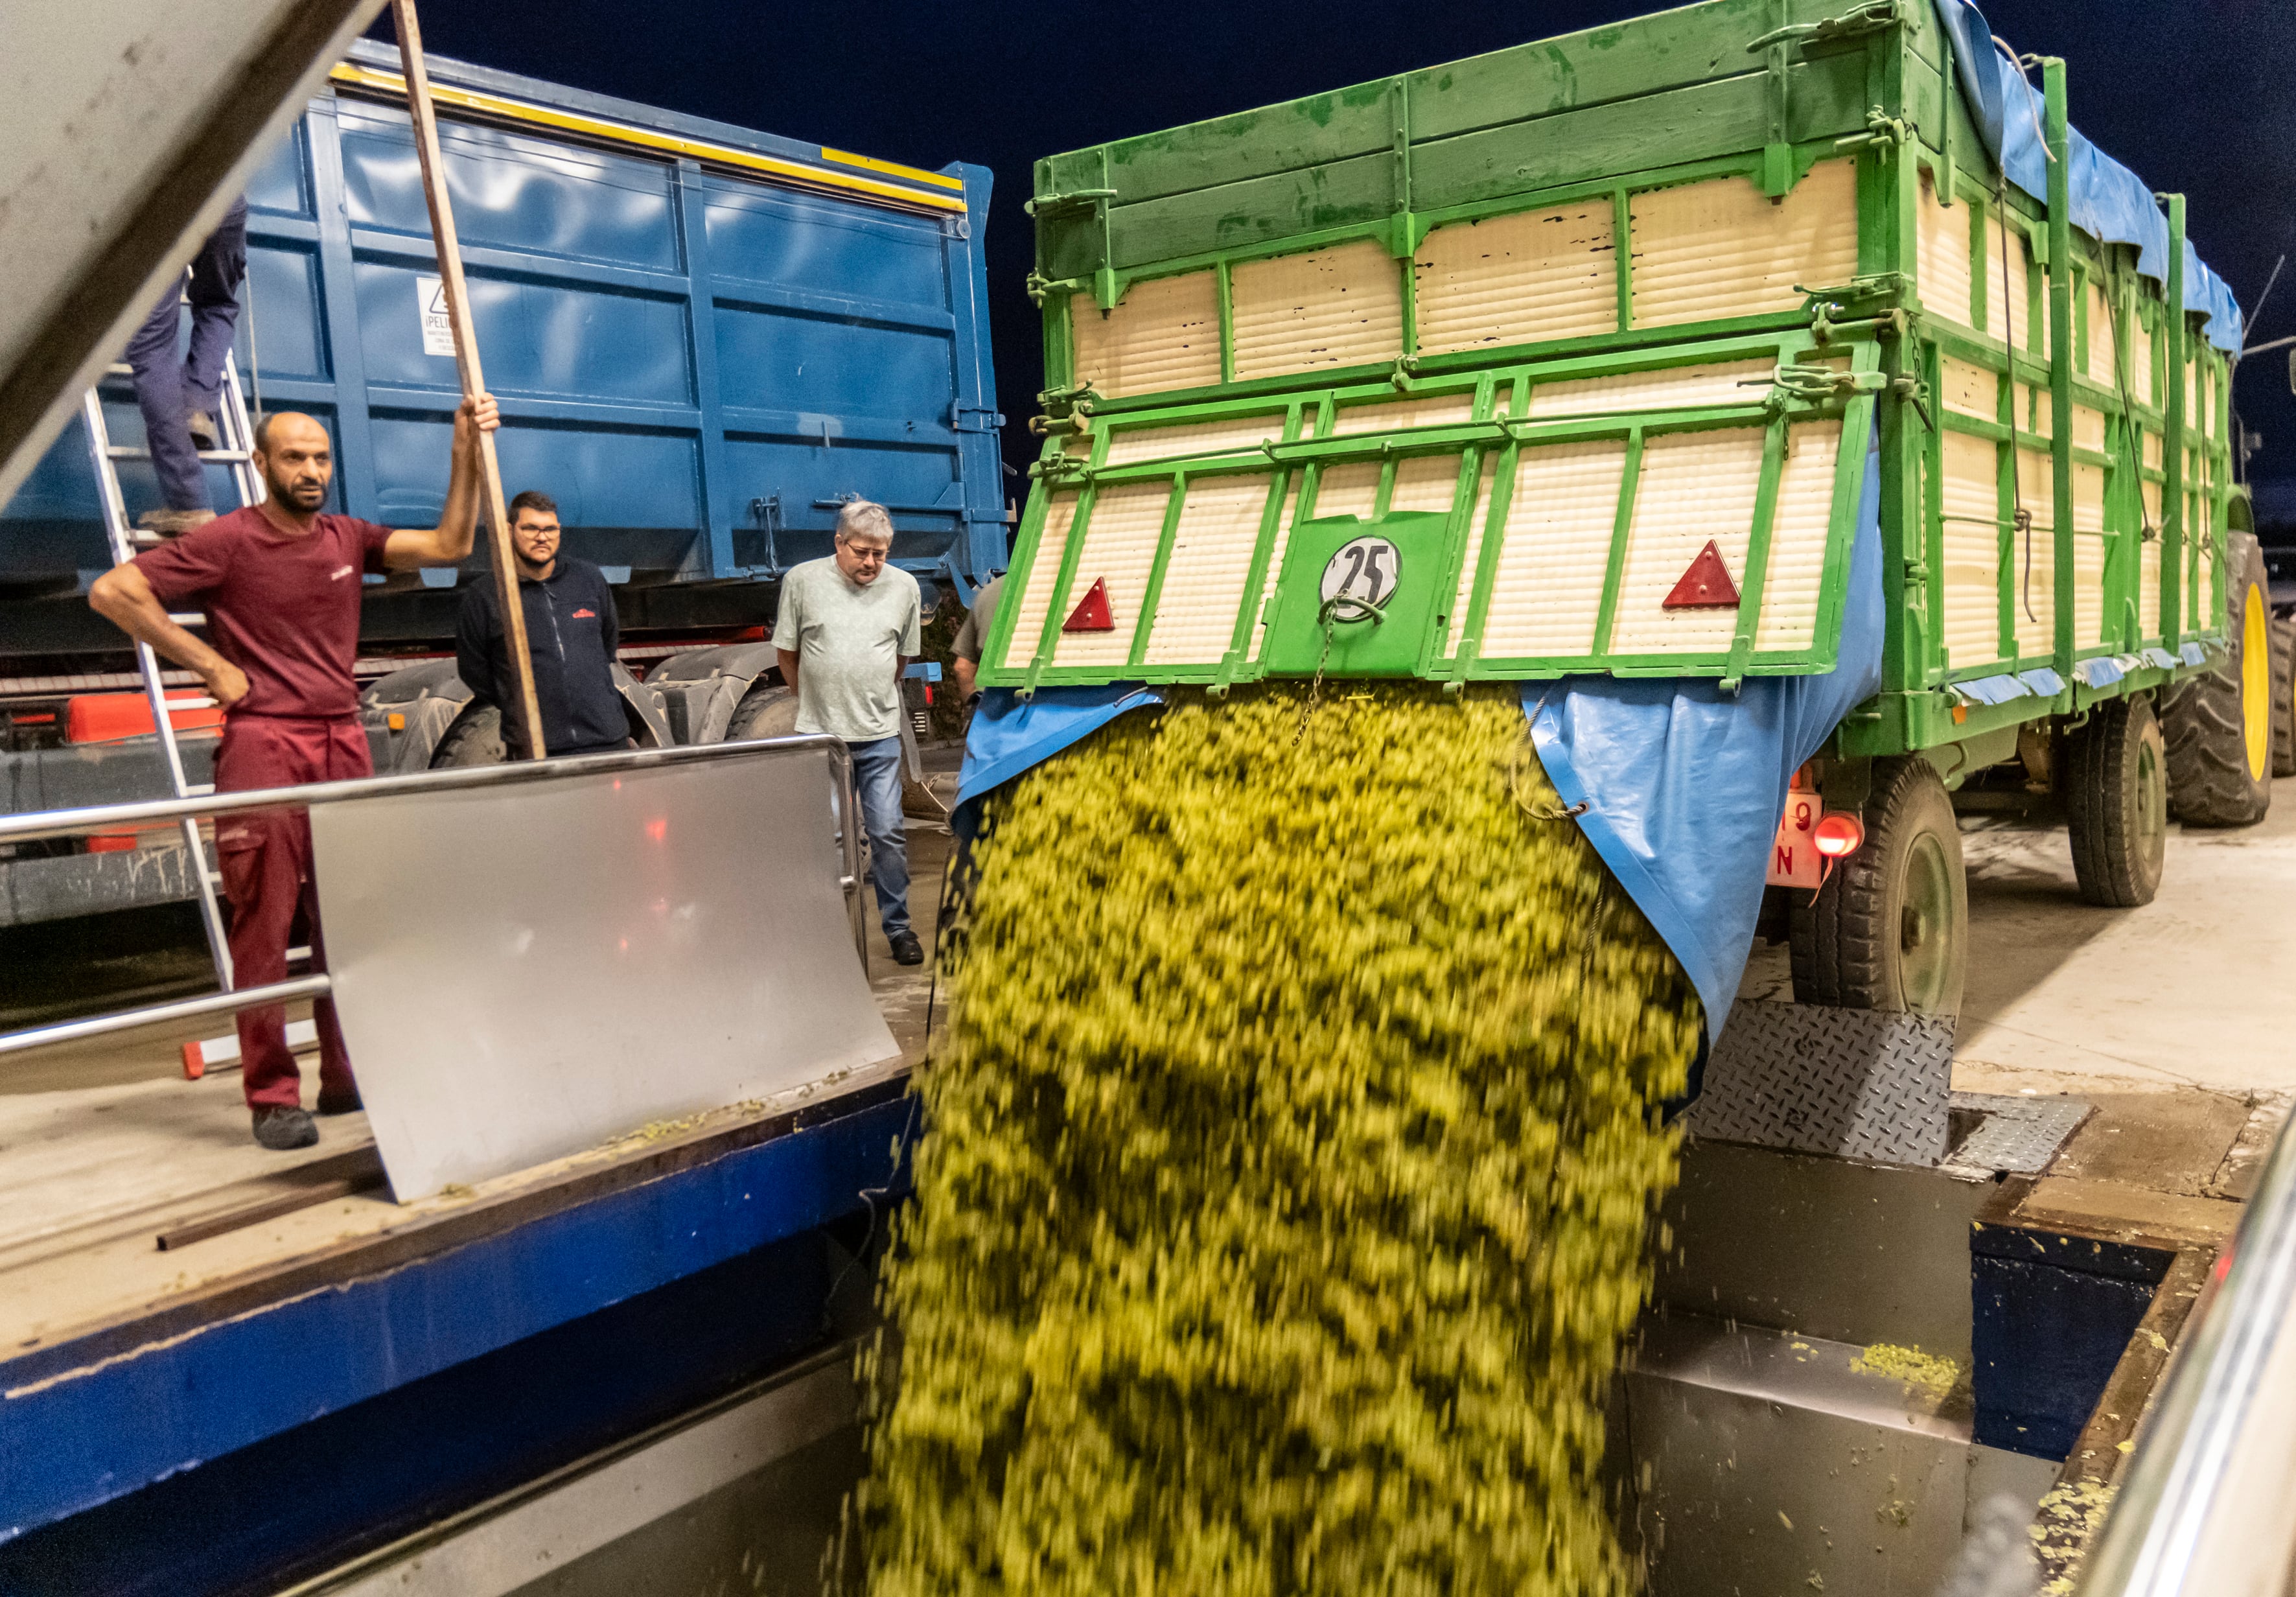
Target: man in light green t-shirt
[845, 624]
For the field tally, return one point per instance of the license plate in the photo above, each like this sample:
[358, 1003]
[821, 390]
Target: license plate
[1794, 859]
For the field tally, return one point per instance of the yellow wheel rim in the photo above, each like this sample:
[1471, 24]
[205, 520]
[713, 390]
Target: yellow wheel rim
[2255, 684]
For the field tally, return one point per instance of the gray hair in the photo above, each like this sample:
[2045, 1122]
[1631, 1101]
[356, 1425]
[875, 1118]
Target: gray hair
[865, 518]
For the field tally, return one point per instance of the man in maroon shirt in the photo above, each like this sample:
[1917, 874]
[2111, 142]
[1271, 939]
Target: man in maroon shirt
[279, 584]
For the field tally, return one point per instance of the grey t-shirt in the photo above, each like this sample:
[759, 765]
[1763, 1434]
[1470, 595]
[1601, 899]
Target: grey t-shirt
[849, 640]
[980, 623]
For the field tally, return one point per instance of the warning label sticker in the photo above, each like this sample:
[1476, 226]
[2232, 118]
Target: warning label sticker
[431, 301]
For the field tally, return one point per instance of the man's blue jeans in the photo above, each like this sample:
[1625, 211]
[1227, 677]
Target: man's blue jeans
[169, 389]
[877, 772]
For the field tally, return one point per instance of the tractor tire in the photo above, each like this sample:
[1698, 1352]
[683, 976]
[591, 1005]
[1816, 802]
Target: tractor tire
[475, 738]
[2115, 787]
[768, 710]
[2283, 698]
[2217, 728]
[1889, 930]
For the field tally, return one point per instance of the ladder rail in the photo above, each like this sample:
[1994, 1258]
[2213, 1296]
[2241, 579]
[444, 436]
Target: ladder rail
[117, 533]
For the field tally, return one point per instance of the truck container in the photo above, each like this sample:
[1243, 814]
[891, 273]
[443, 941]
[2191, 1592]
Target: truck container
[1596, 337]
[704, 339]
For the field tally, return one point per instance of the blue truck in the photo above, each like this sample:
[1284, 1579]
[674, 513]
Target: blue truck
[704, 340]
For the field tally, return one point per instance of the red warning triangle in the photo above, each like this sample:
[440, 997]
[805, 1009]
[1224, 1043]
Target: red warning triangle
[1091, 613]
[1705, 586]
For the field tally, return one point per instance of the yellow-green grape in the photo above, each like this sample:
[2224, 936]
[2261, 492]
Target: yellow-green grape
[1283, 1199]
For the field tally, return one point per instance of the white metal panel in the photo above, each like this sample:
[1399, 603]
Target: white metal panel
[2148, 584]
[2034, 409]
[2034, 560]
[1554, 551]
[2140, 351]
[1235, 434]
[2089, 554]
[2088, 428]
[1795, 574]
[1722, 248]
[1670, 388]
[1943, 258]
[1283, 520]
[2102, 362]
[2010, 313]
[1351, 489]
[1479, 517]
[1212, 561]
[1970, 390]
[1338, 307]
[1971, 494]
[1119, 549]
[1535, 275]
[1036, 583]
[1163, 335]
[1424, 482]
[1391, 416]
[1694, 486]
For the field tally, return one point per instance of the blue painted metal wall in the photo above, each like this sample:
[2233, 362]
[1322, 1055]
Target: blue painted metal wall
[699, 364]
[90, 1421]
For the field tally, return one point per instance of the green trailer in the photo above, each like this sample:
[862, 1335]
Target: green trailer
[1574, 359]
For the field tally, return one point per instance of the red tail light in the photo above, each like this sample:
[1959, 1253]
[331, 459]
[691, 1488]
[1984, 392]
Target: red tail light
[1839, 834]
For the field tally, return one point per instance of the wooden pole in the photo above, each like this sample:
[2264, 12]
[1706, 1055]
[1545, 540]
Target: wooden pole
[466, 359]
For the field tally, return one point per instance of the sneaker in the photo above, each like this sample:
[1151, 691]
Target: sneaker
[284, 1130]
[906, 949]
[203, 429]
[346, 1102]
[174, 523]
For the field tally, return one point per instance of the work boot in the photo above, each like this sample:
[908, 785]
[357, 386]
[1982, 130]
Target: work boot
[285, 1128]
[203, 429]
[346, 1102]
[906, 949]
[174, 523]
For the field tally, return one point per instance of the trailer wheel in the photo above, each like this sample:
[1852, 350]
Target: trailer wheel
[2117, 804]
[1889, 930]
[2217, 728]
[475, 738]
[2283, 698]
[768, 710]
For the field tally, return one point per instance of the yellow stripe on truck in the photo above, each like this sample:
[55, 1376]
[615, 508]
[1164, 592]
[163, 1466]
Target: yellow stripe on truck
[646, 138]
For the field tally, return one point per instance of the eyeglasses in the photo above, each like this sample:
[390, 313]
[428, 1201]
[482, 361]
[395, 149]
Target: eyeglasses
[868, 556]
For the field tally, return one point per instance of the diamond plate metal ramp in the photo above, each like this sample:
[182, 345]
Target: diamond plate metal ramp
[1857, 1083]
[2016, 1135]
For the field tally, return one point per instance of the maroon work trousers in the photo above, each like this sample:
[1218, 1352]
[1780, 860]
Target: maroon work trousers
[267, 875]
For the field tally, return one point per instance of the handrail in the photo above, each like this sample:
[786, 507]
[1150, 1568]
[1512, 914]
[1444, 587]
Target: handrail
[114, 817]
[119, 818]
[2164, 1519]
[229, 1001]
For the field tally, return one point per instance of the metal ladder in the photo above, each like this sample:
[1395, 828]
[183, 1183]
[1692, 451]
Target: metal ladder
[125, 540]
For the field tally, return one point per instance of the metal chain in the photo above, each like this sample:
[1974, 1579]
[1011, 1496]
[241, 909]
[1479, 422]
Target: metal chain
[1316, 688]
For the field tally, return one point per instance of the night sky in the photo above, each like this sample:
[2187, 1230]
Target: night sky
[2193, 94]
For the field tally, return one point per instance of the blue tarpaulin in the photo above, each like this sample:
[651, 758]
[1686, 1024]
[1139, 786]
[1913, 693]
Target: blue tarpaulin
[2109, 202]
[1010, 734]
[1683, 784]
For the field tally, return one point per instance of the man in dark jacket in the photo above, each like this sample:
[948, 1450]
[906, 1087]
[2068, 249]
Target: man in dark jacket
[570, 630]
